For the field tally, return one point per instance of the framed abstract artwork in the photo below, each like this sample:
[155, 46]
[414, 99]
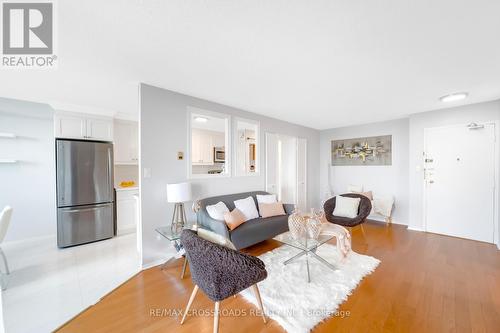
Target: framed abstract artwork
[374, 150]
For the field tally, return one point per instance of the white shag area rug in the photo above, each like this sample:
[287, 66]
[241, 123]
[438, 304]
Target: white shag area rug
[297, 305]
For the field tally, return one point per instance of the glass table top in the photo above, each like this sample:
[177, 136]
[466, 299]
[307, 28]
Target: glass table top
[168, 234]
[305, 244]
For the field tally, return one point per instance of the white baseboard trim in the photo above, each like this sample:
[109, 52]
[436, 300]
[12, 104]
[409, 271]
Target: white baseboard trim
[382, 220]
[126, 230]
[153, 263]
[415, 229]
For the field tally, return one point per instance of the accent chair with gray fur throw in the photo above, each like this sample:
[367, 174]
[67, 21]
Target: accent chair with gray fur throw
[220, 272]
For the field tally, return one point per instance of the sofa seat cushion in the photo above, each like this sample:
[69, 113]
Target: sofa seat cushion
[257, 230]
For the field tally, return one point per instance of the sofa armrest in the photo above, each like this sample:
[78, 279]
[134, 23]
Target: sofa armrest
[219, 227]
[289, 208]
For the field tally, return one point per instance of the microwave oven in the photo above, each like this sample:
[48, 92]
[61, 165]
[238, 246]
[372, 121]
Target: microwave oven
[219, 155]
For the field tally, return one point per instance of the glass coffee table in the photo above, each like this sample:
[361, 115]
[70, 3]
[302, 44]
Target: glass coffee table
[307, 248]
[167, 233]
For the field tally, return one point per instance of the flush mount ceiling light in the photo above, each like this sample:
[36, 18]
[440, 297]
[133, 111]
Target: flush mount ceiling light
[453, 97]
[201, 119]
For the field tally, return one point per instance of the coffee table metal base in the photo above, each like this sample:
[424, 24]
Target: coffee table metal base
[309, 253]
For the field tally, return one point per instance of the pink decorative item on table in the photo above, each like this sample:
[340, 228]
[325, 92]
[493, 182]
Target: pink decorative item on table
[297, 225]
[313, 224]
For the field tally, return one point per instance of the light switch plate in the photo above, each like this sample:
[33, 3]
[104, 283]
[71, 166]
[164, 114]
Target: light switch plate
[147, 173]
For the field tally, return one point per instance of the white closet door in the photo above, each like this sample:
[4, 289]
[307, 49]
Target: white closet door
[287, 169]
[302, 174]
[272, 175]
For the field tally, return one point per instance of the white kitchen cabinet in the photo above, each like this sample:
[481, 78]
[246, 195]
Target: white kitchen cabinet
[126, 140]
[126, 210]
[82, 126]
[202, 147]
[71, 127]
[100, 129]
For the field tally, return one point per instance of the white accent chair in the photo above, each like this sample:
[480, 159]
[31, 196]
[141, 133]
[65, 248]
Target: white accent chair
[5, 217]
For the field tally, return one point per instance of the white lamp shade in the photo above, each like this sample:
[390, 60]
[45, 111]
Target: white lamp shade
[179, 192]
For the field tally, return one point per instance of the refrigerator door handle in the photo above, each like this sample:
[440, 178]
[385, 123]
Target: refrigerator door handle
[81, 209]
[110, 173]
[61, 200]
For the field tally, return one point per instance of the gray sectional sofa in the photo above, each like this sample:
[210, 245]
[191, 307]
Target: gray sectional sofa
[252, 231]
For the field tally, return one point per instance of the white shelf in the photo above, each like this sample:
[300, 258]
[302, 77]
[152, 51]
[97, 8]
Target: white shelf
[7, 161]
[8, 135]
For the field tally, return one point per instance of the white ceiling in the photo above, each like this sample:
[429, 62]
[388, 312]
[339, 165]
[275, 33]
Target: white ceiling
[214, 124]
[322, 64]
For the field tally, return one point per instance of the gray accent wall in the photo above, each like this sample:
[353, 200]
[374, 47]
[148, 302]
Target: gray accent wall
[163, 133]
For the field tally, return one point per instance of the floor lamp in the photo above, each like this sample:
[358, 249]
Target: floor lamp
[178, 194]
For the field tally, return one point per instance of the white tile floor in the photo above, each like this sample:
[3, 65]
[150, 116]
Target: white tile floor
[48, 286]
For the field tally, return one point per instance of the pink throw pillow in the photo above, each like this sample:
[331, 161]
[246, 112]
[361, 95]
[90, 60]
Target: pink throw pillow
[367, 194]
[234, 219]
[271, 209]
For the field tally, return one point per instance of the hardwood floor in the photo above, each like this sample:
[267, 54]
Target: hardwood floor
[425, 283]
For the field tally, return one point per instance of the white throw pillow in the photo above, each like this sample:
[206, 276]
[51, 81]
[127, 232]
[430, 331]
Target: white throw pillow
[346, 207]
[215, 238]
[266, 198]
[247, 207]
[217, 211]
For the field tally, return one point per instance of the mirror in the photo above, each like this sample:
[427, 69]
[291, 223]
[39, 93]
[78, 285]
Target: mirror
[247, 147]
[209, 148]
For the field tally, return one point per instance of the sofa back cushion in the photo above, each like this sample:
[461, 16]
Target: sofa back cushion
[228, 199]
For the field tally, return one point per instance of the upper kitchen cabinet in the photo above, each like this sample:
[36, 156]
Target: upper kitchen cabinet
[126, 139]
[100, 129]
[208, 146]
[70, 127]
[82, 126]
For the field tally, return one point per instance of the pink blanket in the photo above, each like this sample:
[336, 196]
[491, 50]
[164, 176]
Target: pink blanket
[341, 234]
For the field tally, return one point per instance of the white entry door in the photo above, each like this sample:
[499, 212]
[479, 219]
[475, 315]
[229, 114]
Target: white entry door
[460, 181]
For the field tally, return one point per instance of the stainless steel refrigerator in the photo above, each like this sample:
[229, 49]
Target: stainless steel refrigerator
[85, 193]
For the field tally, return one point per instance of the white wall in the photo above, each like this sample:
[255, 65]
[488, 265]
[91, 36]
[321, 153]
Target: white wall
[2, 326]
[28, 186]
[454, 116]
[391, 180]
[164, 133]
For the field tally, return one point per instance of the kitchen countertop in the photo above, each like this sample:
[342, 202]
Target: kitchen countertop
[132, 188]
